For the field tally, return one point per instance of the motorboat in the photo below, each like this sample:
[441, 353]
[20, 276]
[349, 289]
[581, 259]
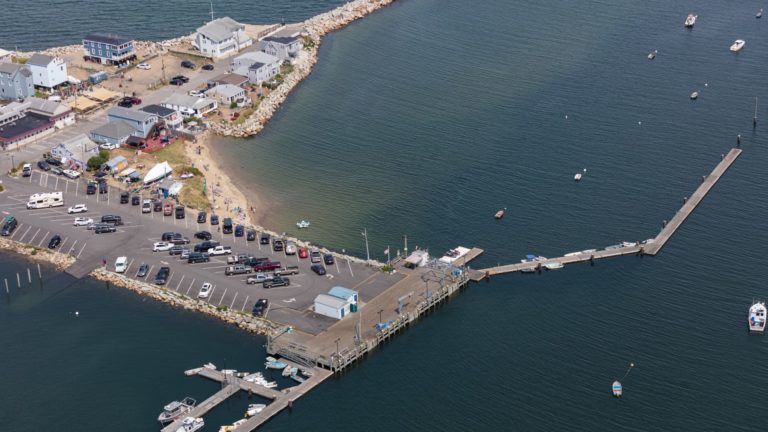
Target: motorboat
[175, 410]
[298, 378]
[577, 177]
[275, 364]
[500, 214]
[287, 371]
[254, 409]
[158, 172]
[553, 265]
[690, 21]
[191, 424]
[759, 14]
[302, 224]
[652, 55]
[757, 317]
[233, 426]
[694, 95]
[616, 388]
[738, 45]
[532, 258]
[210, 366]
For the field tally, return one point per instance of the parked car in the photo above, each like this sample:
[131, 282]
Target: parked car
[205, 290]
[53, 161]
[144, 66]
[179, 240]
[196, 93]
[54, 242]
[220, 250]
[143, 270]
[121, 264]
[237, 269]
[277, 245]
[176, 82]
[260, 308]
[146, 207]
[72, 174]
[214, 219]
[167, 236]
[112, 219]
[203, 235]
[167, 209]
[208, 67]
[303, 252]
[188, 64]
[239, 231]
[290, 248]
[157, 206]
[181, 78]
[77, 208]
[125, 103]
[201, 217]
[26, 170]
[124, 196]
[197, 257]
[104, 228]
[226, 226]
[81, 221]
[277, 281]
[161, 246]
[267, 266]
[180, 212]
[286, 271]
[204, 246]
[184, 254]
[90, 188]
[175, 250]
[103, 187]
[162, 275]
[258, 278]
[264, 239]
[318, 268]
[314, 256]
[135, 200]
[56, 170]
[43, 165]
[109, 146]
[250, 235]
[328, 259]
[9, 225]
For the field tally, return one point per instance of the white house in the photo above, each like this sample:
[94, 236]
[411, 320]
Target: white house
[257, 66]
[47, 71]
[76, 151]
[5, 55]
[286, 48]
[227, 93]
[221, 37]
[190, 105]
[331, 306]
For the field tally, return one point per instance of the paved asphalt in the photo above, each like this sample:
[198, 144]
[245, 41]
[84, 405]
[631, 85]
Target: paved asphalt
[290, 305]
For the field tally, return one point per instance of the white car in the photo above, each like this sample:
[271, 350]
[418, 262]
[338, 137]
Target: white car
[161, 246]
[196, 93]
[144, 66]
[205, 290]
[77, 208]
[121, 264]
[81, 221]
[220, 250]
[108, 146]
[147, 206]
[71, 173]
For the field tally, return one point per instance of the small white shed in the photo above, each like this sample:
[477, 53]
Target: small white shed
[331, 306]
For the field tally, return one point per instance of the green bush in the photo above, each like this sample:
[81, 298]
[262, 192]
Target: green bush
[97, 161]
[233, 105]
[104, 154]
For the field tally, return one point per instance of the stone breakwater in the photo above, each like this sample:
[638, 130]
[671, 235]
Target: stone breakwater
[314, 28]
[60, 260]
[242, 320]
[143, 46]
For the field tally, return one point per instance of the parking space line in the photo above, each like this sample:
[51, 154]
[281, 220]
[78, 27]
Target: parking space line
[190, 286]
[25, 232]
[129, 266]
[168, 282]
[81, 250]
[179, 284]
[72, 247]
[61, 246]
[210, 296]
[233, 301]
[350, 268]
[244, 303]
[336, 263]
[42, 239]
[222, 296]
[146, 277]
[33, 237]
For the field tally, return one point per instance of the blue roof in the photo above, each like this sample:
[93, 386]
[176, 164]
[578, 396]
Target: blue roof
[341, 292]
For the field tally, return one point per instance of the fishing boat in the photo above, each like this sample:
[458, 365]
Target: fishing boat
[757, 317]
[254, 409]
[553, 265]
[191, 424]
[175, 410]
[500, 214]
[275, 364]
[302, 224]
[694, 95]
[738, 45]
[691, 20]
[577, 177]
[652, 55]
[616, 388]
[759, 14]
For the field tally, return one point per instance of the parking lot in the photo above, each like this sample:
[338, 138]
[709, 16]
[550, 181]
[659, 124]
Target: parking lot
[134, 239]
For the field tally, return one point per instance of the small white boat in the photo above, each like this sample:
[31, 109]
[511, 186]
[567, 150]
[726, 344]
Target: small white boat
[757, 317]
[694, 95]
[158, 172]
[738, 45]
[254, 409]
[554, 265]
[302, 224]
[233, 426]
[210, 366]
[759, 14]
[652, 55]
[287, 371]
[175, 410]
[616, 388]
[500, 214]
[690, 21]
[191, 424]
[577, 177]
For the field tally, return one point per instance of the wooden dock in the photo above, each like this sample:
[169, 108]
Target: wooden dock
[650, 247]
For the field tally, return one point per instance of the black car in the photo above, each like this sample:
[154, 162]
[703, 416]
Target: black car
[143, 270]
[203, 235]
[204, 246]
[226, 226]
[260, 307]
[328, 259]
[181, 78]
[214, 219]
[197, 257]
[9, 225]
[250, 235]
[90, 188]
[125, 103]
[43, 165]
[318, 268]
[188, 64]
[135, 200]
[53, 161]
[276, 281]
[208, 67]
[167, 236]
[201, 217]
[277, 245]
[102, 187]
[180, 212]
[264, 239]
[124, 196]
[100, 174]
[105, 229]
[162, 275]
[157, 206]
[176, 82]
[112, 219]
[176, 250]
[55, 241]
[239, 231]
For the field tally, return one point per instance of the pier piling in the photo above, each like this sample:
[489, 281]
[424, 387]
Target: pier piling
[18, 280]
[29, 276]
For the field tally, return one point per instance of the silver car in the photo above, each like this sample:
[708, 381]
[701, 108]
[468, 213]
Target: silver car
[258, 278]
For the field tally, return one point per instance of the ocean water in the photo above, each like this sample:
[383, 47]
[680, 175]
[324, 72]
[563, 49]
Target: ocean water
[423, 120]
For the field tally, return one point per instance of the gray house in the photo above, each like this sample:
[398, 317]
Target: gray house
[142, 121]
[116, 132]
[282, 47]
[15, 81]
[257, 66]
[227, 93]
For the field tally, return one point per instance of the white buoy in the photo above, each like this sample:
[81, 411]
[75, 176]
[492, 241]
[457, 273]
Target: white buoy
[639, 123]
[77, 313]
[566, 116]
[585, 170]
[706, 85]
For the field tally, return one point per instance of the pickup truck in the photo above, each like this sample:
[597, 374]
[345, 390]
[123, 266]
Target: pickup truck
[266, 266]
[220, 250]
[288, 270]
[236, 270]
[278, 281]
[238, 259]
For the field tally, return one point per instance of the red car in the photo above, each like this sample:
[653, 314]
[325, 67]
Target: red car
[303, 253]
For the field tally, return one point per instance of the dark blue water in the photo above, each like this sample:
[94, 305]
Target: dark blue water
[426, 118]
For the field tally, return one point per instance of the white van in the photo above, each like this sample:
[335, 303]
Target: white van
[121, 264]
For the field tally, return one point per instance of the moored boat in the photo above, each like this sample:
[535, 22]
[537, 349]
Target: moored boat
[577, 177]
[254, 409]
[690, 21]
[553, 265]
[298, 378]
[757, 317]
[616, 389]
[694, 95]
[302, 224]
[175, 410]
[275, 364]
[652, 55]
[738, 45]
[191, 424]
[759, 14]
[500, 214]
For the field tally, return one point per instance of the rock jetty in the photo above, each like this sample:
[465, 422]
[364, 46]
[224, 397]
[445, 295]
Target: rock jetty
[60, 260]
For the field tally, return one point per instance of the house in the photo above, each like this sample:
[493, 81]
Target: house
[32, 119]
[109, 49]
[346, 294]
[171, 118]
[286, 48]
[76, 151]
[190, 105]
[226, 94]
[257, 66]
[221, 37]
[115, 165]
[115, 132]
[5, 56]
[331, 306]
[47, 72]
[59, 114]
[15, 81]
[141, 121]
[229, 78]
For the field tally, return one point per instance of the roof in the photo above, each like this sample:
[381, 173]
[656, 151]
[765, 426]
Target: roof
[78, 144]
[116, 129]
[230, 78]
[101, 94]
[341, 292]
[12, 68]
[226, 90]
[107, 38]
[330, 301]
[187, 101]
[130, 114]
[4, 53]
[47, 107]
[256, 56]
[22, 126]
[82, 103]
[115, 161]
[158, 110]
[39, 60]
[285, 40]
[220, 29]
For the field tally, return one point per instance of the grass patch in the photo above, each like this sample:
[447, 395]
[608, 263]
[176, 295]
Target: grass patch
[192, 196]
[244, 114]
[173, 153]
[2, 188]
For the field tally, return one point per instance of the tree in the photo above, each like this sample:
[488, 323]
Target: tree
[95, 162]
